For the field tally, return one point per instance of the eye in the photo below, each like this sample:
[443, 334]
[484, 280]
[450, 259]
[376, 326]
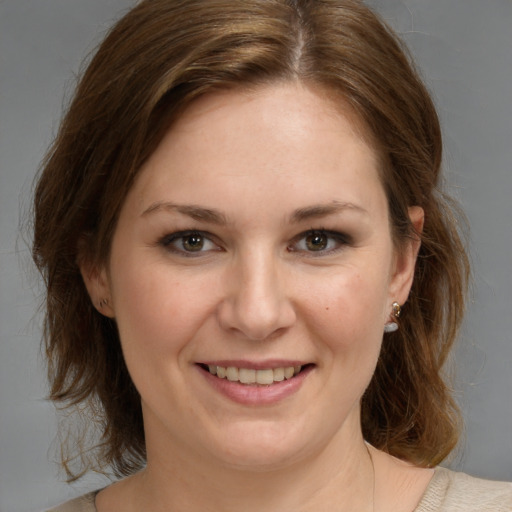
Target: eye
[189, 243]
[319, 241]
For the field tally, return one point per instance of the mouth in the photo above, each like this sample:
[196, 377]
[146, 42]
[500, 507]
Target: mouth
[255, 377]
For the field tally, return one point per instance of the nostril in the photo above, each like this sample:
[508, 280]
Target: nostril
[256, 308]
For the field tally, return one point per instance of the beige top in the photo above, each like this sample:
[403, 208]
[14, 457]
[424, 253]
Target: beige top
[448, 491]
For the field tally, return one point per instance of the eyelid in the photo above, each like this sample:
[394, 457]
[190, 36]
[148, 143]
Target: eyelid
[167, 240]
[342, 240]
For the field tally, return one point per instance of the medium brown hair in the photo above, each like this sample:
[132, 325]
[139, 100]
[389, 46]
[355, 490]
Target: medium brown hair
[157, 59]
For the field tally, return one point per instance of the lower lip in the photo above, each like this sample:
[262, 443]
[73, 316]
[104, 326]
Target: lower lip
[248, 394]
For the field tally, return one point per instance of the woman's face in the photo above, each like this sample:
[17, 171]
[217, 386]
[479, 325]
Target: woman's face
[255, 243]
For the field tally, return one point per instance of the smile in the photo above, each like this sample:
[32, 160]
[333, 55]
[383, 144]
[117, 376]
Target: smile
[255, 384]
[264, 377]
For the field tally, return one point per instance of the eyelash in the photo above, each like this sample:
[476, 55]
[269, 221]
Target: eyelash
[168, 241]
[339, 239]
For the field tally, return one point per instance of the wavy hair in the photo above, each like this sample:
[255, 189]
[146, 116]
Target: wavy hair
[152, 64]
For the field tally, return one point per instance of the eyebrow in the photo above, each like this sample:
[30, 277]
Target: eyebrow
[213, 216]
[324, 210]
[193, 211]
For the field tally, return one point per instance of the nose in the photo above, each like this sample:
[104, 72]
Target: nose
[256, 303]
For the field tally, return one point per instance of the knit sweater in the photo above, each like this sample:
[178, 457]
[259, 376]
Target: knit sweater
[448, 491]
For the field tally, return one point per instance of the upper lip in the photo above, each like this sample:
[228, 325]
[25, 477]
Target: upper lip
[254, 365]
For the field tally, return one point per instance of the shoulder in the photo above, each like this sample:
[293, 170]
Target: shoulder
[450, 491]
[83, 503]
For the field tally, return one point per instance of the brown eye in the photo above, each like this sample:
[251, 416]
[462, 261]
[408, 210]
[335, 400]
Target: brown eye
[317, 241]
[193, 242]
[189, 243]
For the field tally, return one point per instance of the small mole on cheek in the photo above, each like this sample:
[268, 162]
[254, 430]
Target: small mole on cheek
[327, 308]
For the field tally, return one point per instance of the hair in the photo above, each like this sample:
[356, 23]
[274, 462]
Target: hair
[153, 63]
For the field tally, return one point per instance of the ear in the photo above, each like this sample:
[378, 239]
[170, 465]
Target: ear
[405, 260]
[97, 283]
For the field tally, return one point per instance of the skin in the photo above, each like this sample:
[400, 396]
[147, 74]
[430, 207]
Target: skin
[272, 164]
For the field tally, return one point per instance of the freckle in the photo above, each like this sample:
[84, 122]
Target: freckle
[327, 309]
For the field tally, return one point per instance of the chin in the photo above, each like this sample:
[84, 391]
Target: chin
[261, 446]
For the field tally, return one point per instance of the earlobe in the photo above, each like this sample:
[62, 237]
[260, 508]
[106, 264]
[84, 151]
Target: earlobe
[97, 284]
[406, 258]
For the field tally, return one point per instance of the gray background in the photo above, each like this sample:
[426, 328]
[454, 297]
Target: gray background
[464, 49]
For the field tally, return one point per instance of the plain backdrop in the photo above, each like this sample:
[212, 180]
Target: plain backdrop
[464, 51]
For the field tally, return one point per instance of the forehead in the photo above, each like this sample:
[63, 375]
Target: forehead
[277, 136]
[292, 102]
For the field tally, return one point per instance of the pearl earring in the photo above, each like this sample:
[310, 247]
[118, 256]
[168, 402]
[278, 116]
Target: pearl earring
[393, 326]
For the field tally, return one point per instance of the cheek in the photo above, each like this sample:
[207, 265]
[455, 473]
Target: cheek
[156, 311]
[349, 311]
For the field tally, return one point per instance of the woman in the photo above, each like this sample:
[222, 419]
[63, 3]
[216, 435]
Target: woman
[253, 278]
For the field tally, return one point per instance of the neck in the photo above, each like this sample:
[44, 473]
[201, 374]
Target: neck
[338, 477]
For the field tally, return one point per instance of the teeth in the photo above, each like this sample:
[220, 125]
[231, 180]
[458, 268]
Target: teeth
[232, 373]
[265, 376]
[247, 376]
[278, 374]
[288, 372]
[251, 376]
